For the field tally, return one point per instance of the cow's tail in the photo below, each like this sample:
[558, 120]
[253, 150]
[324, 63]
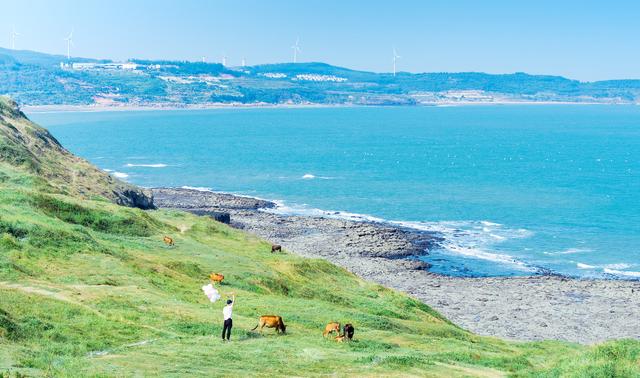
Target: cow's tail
[254, 328]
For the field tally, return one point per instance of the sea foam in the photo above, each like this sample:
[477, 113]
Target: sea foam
[119, 174]
[158, 165]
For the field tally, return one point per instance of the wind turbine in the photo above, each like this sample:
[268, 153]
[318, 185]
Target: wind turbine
[244, 62]
[13, 36]
[224, 59]
[395, 58]
[296, 50]
[69, 40]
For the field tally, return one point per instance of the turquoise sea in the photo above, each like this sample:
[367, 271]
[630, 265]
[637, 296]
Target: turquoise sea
[513, 189]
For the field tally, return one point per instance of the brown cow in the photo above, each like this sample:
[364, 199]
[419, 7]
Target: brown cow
[167, 240]
[340, 338]
[276, 248]
[331, 327]
[216, 277]
[348, 331]
[271, 321]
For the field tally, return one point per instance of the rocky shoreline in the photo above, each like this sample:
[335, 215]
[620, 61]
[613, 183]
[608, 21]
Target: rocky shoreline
[517, 308]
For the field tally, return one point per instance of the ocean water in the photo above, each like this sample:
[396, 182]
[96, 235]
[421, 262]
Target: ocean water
[514, 190]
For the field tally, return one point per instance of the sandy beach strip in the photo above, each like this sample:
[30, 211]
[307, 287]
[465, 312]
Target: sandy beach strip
[517, 308]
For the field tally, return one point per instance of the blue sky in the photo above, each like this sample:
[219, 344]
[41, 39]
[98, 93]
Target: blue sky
[586, 40]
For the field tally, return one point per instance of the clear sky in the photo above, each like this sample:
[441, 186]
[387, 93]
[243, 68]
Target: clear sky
[586, 40]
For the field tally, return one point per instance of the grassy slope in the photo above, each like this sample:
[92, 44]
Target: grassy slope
[82, 277]
[25, 144]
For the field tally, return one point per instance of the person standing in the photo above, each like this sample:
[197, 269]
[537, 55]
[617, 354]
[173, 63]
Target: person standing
[226, 313]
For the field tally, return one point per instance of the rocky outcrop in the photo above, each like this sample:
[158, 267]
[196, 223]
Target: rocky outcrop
[135, 197]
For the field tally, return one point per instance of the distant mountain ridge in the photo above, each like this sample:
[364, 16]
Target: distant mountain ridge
[34, 78]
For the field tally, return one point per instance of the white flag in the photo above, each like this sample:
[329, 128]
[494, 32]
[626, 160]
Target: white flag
[211, 293]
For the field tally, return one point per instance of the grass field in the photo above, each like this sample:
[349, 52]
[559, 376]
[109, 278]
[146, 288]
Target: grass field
[88, 288]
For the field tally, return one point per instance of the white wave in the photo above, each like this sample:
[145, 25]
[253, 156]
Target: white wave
[158, 165]
[585, 266]
[309, 176]
[570, 251]
[283, 209]
[198, 188]
[120, 174]
[616, 266]
[474, 239]
[108, 170]
[625, 273]
[484, 255]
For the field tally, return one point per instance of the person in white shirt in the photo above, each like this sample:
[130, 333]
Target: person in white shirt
[226, 313]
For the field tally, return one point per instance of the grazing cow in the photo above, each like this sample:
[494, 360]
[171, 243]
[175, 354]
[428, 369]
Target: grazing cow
[331, 327]
[348, 331]
[276, 248]
[167, 240]
[271, 321]
[340, 338]
[216, 277]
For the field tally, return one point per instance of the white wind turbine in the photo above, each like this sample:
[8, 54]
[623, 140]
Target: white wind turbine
[296, 50]
[224, 59]
[395, 58]
[244, 62]
[69, 40]
[12, 37]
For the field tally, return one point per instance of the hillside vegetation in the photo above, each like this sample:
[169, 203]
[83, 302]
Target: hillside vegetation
[34, 78]
[87, 288]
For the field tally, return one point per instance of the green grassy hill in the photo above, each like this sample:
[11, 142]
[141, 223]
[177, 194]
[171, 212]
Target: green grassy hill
[87, 288]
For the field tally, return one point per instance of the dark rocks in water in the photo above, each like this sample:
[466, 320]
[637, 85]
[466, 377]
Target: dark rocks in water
[180, 198]
[220, 216]
[135, 197]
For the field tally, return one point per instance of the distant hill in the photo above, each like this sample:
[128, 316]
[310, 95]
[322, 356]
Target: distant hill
[34, 78]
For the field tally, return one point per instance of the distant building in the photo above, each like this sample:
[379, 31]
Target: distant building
[83, 66]
[274, 75]
[129, 66]
[317, 77]
[102, 66]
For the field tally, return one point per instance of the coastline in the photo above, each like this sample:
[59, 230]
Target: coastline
[208, 106]
[517, 308]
